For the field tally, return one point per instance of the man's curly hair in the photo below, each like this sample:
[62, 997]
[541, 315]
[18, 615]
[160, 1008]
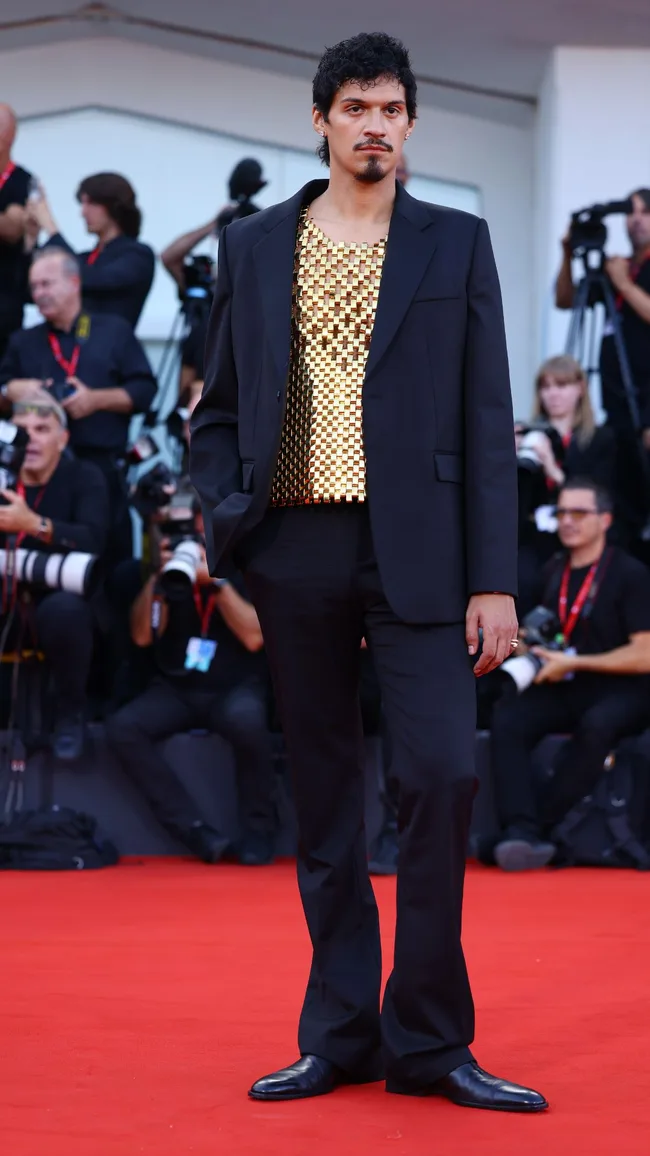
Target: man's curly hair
[366, 58]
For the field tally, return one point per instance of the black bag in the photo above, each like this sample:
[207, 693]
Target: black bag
[611, 827]
[53, 839]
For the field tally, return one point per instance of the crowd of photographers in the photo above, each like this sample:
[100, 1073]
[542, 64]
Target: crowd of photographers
[155, 646]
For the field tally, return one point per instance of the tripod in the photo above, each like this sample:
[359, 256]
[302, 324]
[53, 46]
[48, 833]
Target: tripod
[596, 288]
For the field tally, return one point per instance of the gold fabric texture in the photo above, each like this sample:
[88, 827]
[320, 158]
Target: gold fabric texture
[335, 293]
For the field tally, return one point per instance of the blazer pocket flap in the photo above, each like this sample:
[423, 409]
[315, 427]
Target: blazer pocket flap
[450, 468]
[247, 470]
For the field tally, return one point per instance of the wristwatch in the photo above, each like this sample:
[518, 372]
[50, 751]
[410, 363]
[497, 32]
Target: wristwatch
[219, 583]
[43, 530]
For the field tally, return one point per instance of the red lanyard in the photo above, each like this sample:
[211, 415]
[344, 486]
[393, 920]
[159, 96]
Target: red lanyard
[204, 612]
[20, 490]
[6, 174]
[569, 623]
[92, 257]
[69, 366]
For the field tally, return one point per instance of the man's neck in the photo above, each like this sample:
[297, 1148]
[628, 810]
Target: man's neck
[347, 200]
[109, 233]
[5, 159]
[641, 255]
[586, 555]
[66, 319]
[38, 477]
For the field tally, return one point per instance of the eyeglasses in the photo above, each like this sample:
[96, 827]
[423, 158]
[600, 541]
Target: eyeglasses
[575, 513]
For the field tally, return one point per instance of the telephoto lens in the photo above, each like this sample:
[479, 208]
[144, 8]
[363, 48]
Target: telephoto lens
[180, 572]
[74, 572]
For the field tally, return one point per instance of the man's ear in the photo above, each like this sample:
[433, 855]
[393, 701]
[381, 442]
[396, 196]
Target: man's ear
[64, 439]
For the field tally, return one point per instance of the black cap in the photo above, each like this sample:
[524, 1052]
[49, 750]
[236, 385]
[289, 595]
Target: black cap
[245, 179]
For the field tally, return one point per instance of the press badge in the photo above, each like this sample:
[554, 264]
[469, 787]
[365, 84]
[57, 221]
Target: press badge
[199, 654]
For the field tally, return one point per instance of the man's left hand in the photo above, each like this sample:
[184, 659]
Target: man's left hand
[82, 402]
[495, 615]
[618, 271]
[16, 516]
[556, 664]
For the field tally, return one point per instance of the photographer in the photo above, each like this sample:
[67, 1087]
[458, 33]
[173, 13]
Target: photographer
[561, 442]
[58, 506]
[94, 366]
[117, 274]
[14, 191]
[244, 182]
[630, 279]
[207, 646]
[591, 681]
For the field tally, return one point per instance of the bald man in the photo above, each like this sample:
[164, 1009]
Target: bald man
[14, 190]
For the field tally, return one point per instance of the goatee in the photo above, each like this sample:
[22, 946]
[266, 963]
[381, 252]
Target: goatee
[372, 173]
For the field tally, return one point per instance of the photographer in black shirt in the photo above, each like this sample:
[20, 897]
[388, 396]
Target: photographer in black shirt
[59, 506]
[117, 274]
[592, 679]
[211, 673]
[562, 441]
[94, 366]
[14, 190]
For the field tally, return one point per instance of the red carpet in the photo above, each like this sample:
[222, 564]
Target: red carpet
[139, 1003]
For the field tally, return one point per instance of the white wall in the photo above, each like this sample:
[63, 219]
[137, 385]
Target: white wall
[253, 106]
[592, 146]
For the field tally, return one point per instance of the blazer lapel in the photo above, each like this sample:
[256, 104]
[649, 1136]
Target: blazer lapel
[274, 262]
[412, 239]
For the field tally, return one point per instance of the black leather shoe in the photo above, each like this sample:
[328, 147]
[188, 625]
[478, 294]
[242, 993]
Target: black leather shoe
[68, 738]
[204, 842]
[255, 849]
[309, 1076]
[471, 1087]
[518, 854]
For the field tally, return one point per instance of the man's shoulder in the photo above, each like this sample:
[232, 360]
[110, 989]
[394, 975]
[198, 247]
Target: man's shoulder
[110, 324]
[629, 568]
[457, 221]
[83, 475]
[26, 337]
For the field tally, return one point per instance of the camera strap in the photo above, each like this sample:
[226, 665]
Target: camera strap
[583, 603]
[82, 332]
[92, 257]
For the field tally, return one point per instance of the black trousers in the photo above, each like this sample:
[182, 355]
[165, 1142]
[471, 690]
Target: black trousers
[312, 575]
[597, 711]
[63, 628]
[238, 714]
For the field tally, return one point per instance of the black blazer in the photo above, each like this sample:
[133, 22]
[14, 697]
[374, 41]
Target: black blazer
[437, 414]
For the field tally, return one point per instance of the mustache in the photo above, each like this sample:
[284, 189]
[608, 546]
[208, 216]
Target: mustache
[378, 144]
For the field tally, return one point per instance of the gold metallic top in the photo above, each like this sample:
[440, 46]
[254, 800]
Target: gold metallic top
[335, 293]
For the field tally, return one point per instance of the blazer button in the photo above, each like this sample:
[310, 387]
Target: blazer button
[278, 396]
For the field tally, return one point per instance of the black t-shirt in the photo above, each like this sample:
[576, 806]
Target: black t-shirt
[232, 664]
[110, 357]
[621, 607]
[118, 279]
[76, 499]
[14, 263]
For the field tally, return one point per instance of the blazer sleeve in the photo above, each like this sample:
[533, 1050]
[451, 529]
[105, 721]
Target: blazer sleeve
[215, 464]
[490, 459]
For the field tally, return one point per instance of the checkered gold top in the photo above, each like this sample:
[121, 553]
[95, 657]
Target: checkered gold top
[335, 293]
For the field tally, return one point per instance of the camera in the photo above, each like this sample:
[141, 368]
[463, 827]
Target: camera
[543, 628]
[180, 572]
[154, 490]
[13, 447]
[531, 435]
[74, 572]
[588, 232]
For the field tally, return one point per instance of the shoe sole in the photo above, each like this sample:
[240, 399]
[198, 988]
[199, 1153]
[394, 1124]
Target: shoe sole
[518, 855]
[276, 1097]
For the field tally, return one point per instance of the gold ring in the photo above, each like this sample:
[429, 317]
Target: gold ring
[514, 642]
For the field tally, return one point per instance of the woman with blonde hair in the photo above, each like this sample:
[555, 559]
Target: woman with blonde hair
[561, 442]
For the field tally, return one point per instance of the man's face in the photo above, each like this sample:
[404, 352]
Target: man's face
[365, 129]
[54, 291]
[47, 440]
[580, 524]
[638, 224]
[95, 216]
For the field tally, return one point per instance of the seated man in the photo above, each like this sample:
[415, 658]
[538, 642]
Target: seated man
[207, 646]
[596, 688]
[94, 366]
[60, 505]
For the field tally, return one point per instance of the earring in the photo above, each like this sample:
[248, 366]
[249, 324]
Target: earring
[407, 136]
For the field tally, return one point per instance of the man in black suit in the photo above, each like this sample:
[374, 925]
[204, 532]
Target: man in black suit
[354, 452]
